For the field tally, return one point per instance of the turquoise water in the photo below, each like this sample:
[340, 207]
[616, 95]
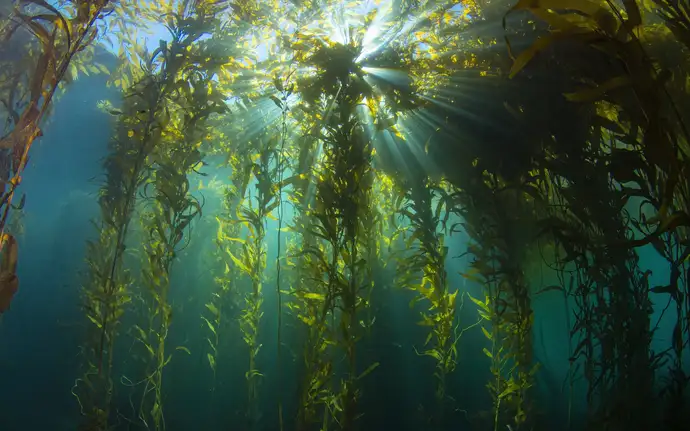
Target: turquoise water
[478, 127]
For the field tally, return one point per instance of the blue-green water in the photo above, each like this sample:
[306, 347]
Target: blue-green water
[43, 336]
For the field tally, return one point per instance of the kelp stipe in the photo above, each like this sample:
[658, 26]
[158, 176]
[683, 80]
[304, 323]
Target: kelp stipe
[284, 87]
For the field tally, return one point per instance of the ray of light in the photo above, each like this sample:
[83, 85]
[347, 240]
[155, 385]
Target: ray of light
[396, 77]
[456, 109]
[261, 116]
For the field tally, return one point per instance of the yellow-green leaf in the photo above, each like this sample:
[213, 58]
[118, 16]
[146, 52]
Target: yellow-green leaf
[184, 349]
[95, 322]
[483, 305]
[371, 368]
[317, 296]
[509, 390]
[239, 263]
[212, 308]
[210, 325]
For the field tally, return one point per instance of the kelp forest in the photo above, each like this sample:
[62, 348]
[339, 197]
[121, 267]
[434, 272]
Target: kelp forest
[320, 215]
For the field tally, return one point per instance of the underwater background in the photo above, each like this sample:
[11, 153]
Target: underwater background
[368, 215]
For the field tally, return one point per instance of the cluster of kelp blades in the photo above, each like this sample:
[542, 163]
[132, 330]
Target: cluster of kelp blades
[565, 190]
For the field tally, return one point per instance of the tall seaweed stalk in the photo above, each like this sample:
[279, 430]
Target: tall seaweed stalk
[611, 296]
[495, 222]
[285, 88]
[105, 294]
[171, 208]
[147, 120]
[344, 191]
[228, 283]
[423, 271]
[310, 296]
[335, 236]
[636, 152]
[252, 214]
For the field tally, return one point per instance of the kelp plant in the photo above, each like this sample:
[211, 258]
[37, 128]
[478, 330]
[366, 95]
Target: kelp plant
[307, 301]
[422, 270]
[227, 284]
[337, 219]
[636, 153]
[28, 87]
[170, 208]
[252, 214]
[494, 219]
[147, 118]
[344, 179]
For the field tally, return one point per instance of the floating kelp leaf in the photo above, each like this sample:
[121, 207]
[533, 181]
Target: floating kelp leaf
[155, 410]
[239, 263]
[369, 369]
[426, 321]
[210, 325]
[434, 354]
[22, 201]
[252, 373]
[634, 15]
[316, 296]
[184, 349]
[150, 350]
[470, 276]
[592, 17]
[512, 387]
[539, 45]
[95, 322]
[596, 93]
[670, 289]
[211, 361]
[210, 343]
[678, 218]
[585, 6]
[483, 305]
[428, 338]
[213, 309]
[663, 289]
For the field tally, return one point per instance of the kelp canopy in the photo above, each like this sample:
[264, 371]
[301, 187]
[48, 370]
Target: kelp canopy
[318, 162]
